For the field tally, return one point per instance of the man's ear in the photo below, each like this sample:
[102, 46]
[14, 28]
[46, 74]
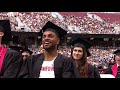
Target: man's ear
[1, 34]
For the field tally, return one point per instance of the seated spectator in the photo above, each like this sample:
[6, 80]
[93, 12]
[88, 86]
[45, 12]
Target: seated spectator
[26, 53]
[10, 60]
[115, 69]
[79, 56]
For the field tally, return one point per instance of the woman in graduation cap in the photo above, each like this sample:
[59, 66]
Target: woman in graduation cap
[49, 64]
[10, 60]
[115, 68]
[79, 54]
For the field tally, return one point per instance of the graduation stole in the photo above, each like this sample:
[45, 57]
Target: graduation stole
[2, 57]
[114, 70]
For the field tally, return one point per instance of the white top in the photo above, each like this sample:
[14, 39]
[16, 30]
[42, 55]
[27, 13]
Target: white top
[106, 76]
[117, 65]
[47, 69]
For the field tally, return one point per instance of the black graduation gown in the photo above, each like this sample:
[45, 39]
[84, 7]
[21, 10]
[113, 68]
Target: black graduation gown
[92, 72]
[63, 67]
[11, 64]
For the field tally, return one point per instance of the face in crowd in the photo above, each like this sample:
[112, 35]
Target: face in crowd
[50, 40]
[77, 53]
[25, 55]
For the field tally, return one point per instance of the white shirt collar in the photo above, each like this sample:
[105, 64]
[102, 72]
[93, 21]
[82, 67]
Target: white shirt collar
[118, 65]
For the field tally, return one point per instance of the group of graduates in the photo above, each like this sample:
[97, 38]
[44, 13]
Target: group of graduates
[50, 63]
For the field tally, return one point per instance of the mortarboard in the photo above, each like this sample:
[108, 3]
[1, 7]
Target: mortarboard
[117, 52]
[16, 48]
[5, 27]
[49, 26]
[26, 49]
[76, 40]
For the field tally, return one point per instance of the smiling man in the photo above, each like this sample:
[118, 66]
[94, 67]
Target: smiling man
[49, 64]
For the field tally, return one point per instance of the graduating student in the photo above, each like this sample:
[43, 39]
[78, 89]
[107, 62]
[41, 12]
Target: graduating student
[115, 68]
[49, 64]
[26, 53]
[79, 55]
[10, 60]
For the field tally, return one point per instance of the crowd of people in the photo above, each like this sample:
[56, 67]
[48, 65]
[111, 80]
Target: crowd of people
[100, 56]
[49, 60]
[74, 24]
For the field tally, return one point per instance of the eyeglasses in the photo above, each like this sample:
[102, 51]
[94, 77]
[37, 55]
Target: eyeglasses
[24, 55]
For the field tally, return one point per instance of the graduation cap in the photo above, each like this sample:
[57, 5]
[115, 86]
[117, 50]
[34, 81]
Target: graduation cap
[16, 48]
[6, 29]
[49, 26]
[26, 50]
[117, 52]
[76, 40]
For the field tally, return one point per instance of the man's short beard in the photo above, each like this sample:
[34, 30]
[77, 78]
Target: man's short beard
[50, 49]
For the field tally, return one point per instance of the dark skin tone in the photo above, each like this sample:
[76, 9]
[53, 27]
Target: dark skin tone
[50, 41]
